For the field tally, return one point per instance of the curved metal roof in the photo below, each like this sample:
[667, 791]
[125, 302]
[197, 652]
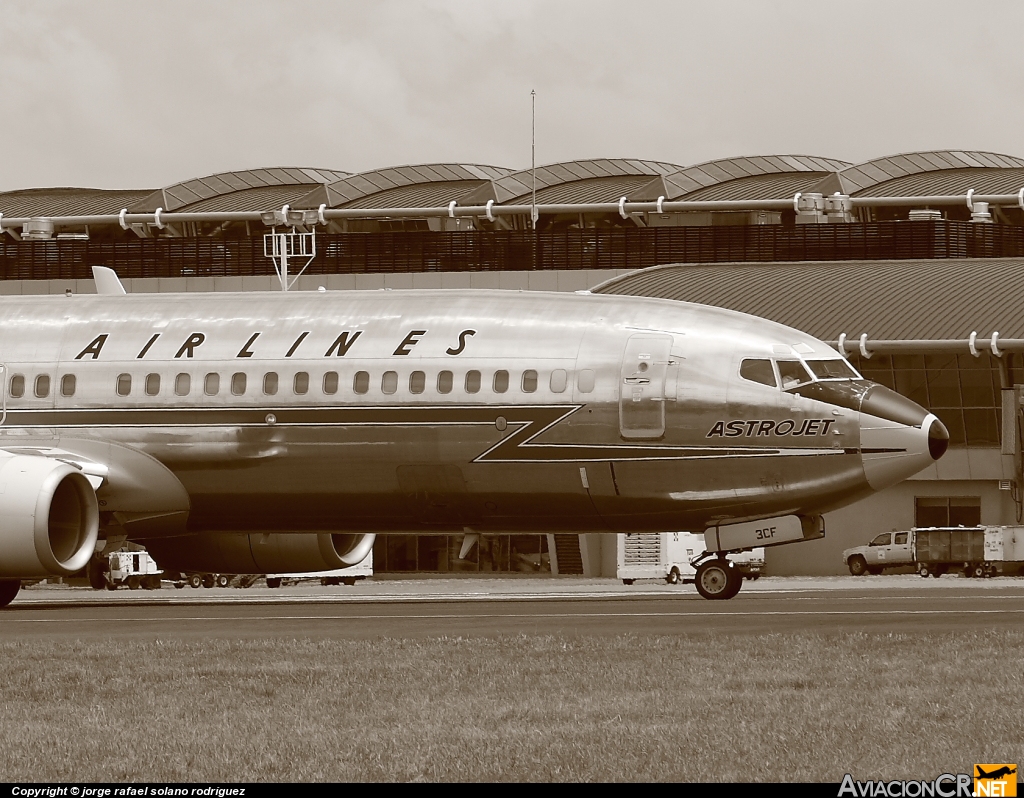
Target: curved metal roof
[866, 178]
[519, 185]
[952, 181]
[727, 178]
[885, 299]
[184, 196]
[261, 198]
[68, 201]
[364, 190]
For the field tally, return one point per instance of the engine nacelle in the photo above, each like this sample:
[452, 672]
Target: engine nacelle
[261, 553]
[49, 517]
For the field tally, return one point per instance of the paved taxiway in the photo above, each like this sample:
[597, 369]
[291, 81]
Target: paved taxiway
[453, 607]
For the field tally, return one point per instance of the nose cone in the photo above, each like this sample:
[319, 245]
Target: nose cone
[898, 437]
[938, 439]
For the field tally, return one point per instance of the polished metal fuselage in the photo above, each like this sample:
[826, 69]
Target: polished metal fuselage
[612, 419]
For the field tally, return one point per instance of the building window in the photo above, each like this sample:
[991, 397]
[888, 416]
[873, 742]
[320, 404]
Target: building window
[238, 383]
[152, 384]
[361, 382]
[67, 385]
[182, 384]
[270, 381]
[18, 386]
[124, 384]
[212, 384]
[331, 382]
[301, 382]
[947, 511]
[963, 391]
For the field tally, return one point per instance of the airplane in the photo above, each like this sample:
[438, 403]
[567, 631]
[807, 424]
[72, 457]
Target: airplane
[998, 773]
[268, 432]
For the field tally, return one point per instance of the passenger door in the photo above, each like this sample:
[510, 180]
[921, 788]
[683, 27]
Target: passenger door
[645, 364]
[901, 548]
[878, 548]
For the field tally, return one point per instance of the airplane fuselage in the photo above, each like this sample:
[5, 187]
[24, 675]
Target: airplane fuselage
[435, 411]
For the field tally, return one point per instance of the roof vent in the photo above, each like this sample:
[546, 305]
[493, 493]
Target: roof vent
[37, 230]
[979, 213]
[921, 215]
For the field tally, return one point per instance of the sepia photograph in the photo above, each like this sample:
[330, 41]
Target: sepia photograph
[440, 391]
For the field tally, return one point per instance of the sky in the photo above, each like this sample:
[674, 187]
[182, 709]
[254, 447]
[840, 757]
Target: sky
[144, 94]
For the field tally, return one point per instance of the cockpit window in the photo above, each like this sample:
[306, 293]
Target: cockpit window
[792, 373]
[758, 371]
[832, 370]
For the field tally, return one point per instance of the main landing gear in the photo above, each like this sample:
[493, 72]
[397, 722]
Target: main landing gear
[718, 578]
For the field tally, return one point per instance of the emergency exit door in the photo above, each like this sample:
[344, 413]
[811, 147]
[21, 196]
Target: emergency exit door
[645, 366]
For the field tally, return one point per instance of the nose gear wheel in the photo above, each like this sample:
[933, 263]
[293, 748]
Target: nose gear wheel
[718, 578]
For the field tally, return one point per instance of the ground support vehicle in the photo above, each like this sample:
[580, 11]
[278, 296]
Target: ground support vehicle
[937, 550]
[975, 551]
[341, 576]
[667, 555]
[132, 569]
[886, 550]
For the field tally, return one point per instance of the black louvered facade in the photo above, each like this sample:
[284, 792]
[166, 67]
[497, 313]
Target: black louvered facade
[619, 248]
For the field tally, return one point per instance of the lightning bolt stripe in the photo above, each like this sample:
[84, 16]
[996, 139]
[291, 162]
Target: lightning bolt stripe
[527, 422]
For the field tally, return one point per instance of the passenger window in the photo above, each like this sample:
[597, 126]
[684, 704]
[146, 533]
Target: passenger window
[301, 382]
[792, 373]
[67, 385]
[901, 538]
[331, 382]
[559, 381]
[18, 386]
[124, 384]
[445, 381]
[472, 381]
[42, 386]
[182, 384]
[529, 381]
[361, 382]
[389, 382]
[212, 385]
[417, 382]
[880, 540]
[270, 383]
[152, 384]
[238, 383]
[586, 380]
[758, 371]
[500, 381]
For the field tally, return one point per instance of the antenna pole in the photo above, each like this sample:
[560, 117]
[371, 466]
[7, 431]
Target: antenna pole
[533, 155]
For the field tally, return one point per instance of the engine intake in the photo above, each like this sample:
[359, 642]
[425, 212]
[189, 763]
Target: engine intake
[49, 517]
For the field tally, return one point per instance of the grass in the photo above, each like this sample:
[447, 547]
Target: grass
[778, 707]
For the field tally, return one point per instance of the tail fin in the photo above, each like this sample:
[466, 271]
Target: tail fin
[107, 282]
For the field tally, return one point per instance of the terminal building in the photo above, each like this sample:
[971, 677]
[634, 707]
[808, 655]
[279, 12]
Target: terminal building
[904, 261]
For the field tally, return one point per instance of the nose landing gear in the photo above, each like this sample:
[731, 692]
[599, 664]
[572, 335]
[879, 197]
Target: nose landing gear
[718, 578]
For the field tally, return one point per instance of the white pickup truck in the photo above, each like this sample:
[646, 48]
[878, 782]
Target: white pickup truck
[886, 550]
